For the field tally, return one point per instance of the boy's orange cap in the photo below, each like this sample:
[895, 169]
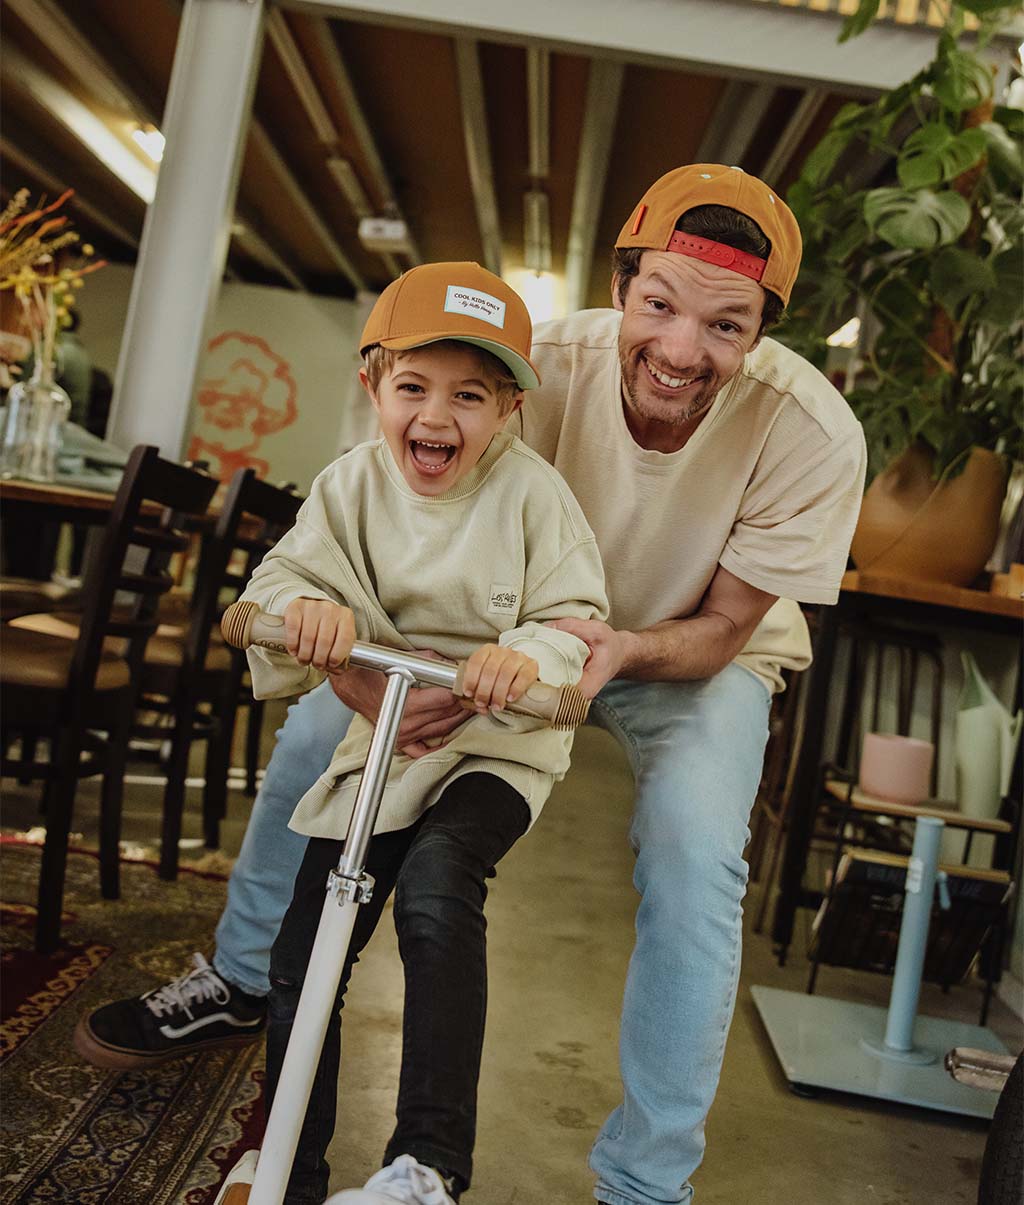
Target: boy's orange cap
[454, 301]
[653, 221]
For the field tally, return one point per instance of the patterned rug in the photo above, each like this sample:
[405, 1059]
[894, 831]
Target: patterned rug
[71, 1132]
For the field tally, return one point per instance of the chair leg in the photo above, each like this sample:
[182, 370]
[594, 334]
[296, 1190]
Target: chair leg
[111, 796]
[174, 792]
[29, 743]
[253, 731]
[218, 760]
[773, 847]
[60, 799]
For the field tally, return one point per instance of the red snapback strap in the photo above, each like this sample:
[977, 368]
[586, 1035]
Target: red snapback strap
[717, 253]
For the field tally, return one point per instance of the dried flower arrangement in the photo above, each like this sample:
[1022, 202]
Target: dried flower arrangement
[38, 264]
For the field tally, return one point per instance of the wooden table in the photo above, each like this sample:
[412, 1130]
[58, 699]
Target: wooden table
[55, 501]
[865, 595]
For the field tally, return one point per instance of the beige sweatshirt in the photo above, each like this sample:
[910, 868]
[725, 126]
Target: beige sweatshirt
[769, 485]
[488, 562]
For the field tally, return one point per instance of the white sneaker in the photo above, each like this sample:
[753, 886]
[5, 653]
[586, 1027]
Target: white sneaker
[404, 1180]
[235, 1189]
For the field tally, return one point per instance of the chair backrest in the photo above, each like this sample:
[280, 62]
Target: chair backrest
[130, 563]
[889, 661]
[218, 580]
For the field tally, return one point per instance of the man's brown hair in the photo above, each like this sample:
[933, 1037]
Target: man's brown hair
[720, 224]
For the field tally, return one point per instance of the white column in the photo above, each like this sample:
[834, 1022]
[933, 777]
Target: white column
[187, 228]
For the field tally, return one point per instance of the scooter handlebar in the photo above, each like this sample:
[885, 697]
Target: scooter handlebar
[562, 707]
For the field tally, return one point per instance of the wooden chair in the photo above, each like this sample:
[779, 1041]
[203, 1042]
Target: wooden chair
[71, 692]
[858, 922]
[880, 656]
[190, 674]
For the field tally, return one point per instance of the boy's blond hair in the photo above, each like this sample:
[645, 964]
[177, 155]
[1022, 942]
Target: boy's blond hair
[379, 360]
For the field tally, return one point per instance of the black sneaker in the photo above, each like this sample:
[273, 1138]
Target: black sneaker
[192, 1013]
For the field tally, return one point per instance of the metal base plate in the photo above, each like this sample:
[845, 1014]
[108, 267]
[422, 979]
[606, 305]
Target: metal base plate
[824, 1043]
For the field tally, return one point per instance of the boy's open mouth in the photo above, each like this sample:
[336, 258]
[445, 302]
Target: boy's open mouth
[431, 457]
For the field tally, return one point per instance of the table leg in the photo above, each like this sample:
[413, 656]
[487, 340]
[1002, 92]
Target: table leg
[803, 804]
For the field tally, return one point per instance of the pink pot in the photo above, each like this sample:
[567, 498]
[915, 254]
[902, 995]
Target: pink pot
[896, 768]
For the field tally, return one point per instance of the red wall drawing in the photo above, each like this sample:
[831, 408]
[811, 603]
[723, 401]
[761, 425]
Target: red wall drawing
[247, 392]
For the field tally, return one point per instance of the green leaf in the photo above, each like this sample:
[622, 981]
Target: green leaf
[1005, 305]
[962, 81]
[909, 220]
[956, 275]
[1005, 153]
[981, 7]
[857, 22]
[819, 163]
[935, 153]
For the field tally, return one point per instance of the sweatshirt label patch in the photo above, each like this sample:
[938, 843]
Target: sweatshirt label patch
[476, 305]
[504, 600]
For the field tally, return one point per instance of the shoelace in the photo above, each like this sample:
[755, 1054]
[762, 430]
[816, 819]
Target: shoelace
[410, 1182]
[202, 983]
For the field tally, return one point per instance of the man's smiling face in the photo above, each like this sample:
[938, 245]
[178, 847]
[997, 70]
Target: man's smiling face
[686, 326]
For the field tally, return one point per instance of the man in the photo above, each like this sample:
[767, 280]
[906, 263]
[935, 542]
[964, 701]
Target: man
[720, 473]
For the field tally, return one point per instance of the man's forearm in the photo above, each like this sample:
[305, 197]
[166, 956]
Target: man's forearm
[681, 650]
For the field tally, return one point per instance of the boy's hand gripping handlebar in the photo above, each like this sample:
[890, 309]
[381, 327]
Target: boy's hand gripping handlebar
[563, 707]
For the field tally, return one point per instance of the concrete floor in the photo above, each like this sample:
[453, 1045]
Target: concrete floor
[560, 929]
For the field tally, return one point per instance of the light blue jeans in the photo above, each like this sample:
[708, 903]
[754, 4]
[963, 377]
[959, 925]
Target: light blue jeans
[696, 750]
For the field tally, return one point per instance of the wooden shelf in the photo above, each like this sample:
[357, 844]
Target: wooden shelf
[862, 802]
[936, 593]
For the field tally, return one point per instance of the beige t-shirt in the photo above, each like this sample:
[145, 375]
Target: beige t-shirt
[769, 485]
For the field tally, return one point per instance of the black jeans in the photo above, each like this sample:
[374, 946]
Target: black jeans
[437, 868]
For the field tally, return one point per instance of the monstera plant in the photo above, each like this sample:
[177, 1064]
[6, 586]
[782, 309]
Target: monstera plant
[931, 259]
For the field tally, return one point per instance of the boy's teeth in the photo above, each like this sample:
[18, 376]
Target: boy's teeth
[430, 454]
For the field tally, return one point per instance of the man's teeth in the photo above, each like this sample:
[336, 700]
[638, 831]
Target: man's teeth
[665, 379]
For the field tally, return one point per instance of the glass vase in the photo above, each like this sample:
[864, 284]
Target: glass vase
[33, 428]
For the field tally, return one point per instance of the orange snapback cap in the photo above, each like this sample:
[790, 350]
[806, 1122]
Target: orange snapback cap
[652, 224]
[459, 301]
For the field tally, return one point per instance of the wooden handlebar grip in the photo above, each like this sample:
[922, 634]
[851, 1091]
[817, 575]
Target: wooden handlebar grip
[564, 707]
[244, 624]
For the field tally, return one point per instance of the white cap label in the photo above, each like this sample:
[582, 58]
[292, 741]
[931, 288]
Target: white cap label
[476, 305]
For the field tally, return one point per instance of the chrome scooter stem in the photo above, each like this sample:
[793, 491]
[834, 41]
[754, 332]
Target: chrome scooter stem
[347, 887]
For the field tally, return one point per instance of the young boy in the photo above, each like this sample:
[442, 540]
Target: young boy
[447, 534]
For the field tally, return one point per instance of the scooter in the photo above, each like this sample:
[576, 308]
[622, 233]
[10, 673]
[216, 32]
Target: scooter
[263, 1181]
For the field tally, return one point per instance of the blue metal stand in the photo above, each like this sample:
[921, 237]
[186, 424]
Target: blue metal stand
[893, 1055]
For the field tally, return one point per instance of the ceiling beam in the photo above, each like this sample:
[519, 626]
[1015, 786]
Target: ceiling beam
[729, 133]
[51, 24]
[280, 37]
[807, 109]
[772, 42]
[63, 37]
[538, 106]
[341, 80]
[308, 92]
[248, 237]
[303, 206]
[478, 150]
[81, 122]
[30, 164]
[604, 87]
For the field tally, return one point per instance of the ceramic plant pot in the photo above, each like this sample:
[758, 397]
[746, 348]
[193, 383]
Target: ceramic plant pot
[911, 526]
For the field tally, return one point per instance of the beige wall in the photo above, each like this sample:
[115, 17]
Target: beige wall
[277, 387]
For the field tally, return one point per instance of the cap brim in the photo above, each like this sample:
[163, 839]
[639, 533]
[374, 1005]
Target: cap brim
[524, 372]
